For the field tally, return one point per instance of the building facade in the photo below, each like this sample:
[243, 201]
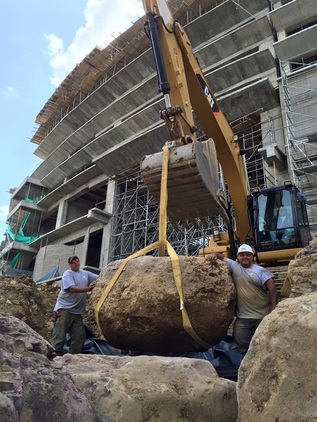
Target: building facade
[87, 196]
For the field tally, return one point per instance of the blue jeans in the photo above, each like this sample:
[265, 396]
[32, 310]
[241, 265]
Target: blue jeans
[243, 331]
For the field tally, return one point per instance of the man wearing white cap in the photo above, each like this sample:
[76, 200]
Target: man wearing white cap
[256, 294]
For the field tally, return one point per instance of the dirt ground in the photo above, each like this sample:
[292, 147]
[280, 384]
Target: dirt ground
[34, 304]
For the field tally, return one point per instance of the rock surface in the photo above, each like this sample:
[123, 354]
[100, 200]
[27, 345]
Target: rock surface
[142, 311]
[302, 271]
[32, 388]
[156, 389]
[277, 379]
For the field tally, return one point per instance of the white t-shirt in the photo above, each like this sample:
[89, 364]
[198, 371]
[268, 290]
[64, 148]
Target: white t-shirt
[253, 300]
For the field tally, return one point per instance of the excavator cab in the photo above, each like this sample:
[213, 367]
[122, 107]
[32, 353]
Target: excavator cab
[280, 222]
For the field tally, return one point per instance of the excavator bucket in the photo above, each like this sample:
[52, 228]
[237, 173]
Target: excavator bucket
[193, 182]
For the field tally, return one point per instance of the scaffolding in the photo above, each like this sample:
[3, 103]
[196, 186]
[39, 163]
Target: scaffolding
[135, 223]
[250, 141]
[299, 95]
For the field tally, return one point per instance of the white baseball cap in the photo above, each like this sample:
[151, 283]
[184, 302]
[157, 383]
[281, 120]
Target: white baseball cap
[245, 248]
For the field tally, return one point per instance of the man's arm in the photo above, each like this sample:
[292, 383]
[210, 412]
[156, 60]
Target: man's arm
[271, 288]
[92, 277]
[79, 289]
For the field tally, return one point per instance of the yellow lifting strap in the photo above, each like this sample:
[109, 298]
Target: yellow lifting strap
[161, 244]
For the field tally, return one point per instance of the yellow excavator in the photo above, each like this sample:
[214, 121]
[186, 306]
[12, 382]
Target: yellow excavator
[257, 217]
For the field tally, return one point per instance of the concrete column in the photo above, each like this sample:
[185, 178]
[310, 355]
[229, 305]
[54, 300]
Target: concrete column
[61, 214]
[85, 246]
[106, 237]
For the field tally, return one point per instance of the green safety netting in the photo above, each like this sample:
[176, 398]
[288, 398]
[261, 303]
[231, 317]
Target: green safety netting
[15, 260]
[19, 236]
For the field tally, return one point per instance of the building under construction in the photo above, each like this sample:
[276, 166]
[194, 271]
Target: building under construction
[87, 197]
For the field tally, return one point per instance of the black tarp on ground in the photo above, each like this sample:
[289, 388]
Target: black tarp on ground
[225, 357]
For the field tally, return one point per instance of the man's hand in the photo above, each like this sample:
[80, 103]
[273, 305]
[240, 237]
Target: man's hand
[91, 286]
[215, 255]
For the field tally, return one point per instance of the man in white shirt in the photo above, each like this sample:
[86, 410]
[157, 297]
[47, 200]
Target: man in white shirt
[256, 294]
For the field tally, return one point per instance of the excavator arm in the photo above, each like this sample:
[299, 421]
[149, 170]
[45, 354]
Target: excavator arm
[185, 89]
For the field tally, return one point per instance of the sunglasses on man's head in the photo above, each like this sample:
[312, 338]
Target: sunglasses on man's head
[74, 261]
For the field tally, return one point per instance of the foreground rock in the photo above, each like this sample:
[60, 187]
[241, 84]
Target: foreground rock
[156, 389]
[94, 388]
[277, 379]
[142, 311]
[32, 388]
[302, 271]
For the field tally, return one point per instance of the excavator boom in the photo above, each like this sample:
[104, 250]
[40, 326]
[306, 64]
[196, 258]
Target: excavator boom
[193, 186]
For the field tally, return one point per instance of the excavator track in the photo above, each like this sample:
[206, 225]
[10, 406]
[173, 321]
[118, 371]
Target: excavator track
[192, 190]
[279, 276]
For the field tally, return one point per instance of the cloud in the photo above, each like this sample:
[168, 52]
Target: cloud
[9, 92]
[55, 46]
[104, 21]
[4, 211]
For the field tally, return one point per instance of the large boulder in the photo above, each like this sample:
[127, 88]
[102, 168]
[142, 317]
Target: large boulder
[152, 388]
[32, 388]
[142, 311]
[277, 380]
[302, 271]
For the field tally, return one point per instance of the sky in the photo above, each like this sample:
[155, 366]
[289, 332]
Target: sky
[42, 41]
